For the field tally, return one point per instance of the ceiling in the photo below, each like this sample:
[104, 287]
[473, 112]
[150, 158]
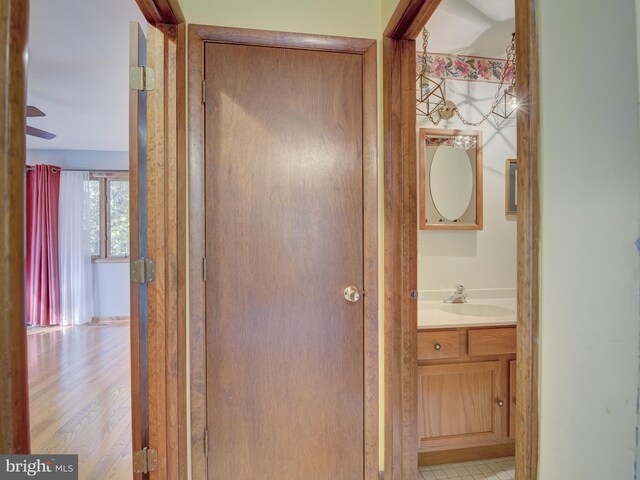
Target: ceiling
[480, 28]
[78, 72]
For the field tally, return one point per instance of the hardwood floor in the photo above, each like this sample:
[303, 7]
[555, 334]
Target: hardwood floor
[80, 397]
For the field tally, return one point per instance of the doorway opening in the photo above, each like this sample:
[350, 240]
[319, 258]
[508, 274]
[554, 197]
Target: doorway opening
[434, 371]
[78, 233]
[158, 387]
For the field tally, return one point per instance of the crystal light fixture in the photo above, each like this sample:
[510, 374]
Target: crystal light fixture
[432, 102]
[508, 104]
[430, 91]
[464, 142]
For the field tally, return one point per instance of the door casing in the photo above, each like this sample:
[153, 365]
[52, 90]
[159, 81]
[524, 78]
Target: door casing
[198, 35]
[400, 238]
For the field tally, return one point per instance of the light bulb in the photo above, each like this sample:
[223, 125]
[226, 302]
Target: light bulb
[514, 103]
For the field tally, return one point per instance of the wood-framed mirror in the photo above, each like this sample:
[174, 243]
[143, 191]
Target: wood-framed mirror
[450, 176]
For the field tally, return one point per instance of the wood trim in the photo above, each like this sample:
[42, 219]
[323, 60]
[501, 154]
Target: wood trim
[175, 64]
[183, 267]
[399, 66]
[159, 12]
[135, 334]
[267, 38]
[370, 214]
[197, 333]
[527, 381]
[198, 35]
[14, 401]
[409, 18]
[400, 250]
[104, 217]
[166, 203]
[157, 249]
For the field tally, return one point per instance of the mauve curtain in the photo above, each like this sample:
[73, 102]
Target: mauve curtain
[43, 286]
[76, 278]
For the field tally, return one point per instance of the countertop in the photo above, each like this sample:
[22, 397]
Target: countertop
[475, 313]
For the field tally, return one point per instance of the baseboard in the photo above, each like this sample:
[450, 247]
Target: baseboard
[110, 320]
[466, 454]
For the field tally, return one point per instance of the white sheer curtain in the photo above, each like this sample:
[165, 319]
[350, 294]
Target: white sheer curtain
[76, 276]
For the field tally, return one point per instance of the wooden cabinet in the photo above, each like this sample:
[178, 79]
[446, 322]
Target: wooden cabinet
[466, 388]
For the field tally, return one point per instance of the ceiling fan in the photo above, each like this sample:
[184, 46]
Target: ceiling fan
[36, 132]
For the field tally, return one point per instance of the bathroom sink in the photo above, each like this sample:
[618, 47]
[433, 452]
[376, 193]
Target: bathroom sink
[475, 310]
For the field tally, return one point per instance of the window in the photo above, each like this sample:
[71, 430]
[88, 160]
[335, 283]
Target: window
[109, 216]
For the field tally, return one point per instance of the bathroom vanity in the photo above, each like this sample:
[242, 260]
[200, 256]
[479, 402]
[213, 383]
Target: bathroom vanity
[466, 381]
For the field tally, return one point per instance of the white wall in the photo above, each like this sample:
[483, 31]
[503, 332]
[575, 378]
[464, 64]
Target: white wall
[111, 293]
[590, 210]
[110, 280]
[485, 258]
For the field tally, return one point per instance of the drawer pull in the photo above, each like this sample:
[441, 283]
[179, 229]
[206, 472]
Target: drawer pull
[500, 403]
[437, 346]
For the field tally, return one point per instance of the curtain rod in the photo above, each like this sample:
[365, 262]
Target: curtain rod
[55, 169]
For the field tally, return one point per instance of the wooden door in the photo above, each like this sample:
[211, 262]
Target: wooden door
[138, 247]
[284, 238]
[458, 405]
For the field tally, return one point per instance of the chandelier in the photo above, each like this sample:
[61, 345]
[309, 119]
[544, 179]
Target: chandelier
[432, 102]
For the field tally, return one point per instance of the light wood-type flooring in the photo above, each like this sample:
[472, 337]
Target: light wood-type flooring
[80, 397]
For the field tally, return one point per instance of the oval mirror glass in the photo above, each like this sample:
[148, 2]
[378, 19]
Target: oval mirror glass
[451, 181]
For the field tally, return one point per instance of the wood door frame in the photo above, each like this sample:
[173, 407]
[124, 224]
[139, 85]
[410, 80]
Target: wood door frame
[400, 238]
[167, 206]
[198, 35]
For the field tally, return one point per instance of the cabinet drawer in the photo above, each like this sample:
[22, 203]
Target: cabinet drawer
[492, 341]
[445, 344]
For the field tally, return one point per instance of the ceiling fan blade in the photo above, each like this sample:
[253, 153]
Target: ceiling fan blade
[36, 132]
[34, 112]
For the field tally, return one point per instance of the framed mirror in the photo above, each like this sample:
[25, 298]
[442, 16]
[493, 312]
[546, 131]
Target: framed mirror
[450, 167]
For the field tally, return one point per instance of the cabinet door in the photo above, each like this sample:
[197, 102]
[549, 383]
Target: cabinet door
[459, 405]
[512, 399]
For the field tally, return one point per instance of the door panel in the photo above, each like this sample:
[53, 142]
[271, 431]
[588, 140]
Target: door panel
[458, 405]
[284, 238]
[138, 246]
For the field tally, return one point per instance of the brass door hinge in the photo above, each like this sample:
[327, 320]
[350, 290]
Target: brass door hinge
[143, 270]
[142, 78]
[204, 91]
[204, 269]
[145, 460]
[206, 443]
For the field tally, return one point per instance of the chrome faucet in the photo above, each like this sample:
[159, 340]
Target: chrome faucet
[458, 297]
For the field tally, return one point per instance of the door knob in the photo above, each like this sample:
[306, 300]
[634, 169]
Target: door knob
[500, 403]
[351, 294]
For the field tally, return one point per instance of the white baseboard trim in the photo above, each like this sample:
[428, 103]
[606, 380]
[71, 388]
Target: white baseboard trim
[111, 319]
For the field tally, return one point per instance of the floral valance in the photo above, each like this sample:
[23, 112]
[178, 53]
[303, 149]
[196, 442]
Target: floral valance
[460, 67]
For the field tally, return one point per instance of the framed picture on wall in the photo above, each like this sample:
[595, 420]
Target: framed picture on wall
[511, 188]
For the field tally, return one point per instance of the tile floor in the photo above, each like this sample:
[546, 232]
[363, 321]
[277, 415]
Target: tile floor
[494, 469]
